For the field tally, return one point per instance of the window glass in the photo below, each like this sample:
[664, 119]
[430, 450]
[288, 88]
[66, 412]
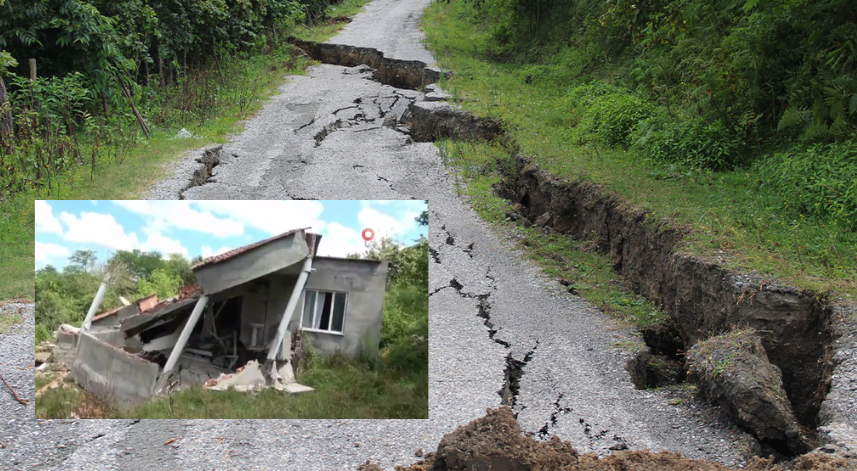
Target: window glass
[338, 312]
[324, 324]
[319, 306]
[309, 304]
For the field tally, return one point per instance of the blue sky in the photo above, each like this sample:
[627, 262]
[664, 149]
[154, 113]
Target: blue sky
[207, 228]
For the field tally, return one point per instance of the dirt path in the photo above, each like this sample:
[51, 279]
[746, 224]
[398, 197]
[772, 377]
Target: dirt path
[501, 332]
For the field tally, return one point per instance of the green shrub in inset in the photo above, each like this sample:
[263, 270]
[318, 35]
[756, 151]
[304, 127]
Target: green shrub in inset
[820, 180]
[695, 143]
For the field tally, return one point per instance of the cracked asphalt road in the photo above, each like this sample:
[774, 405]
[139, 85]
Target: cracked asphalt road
[493, 316]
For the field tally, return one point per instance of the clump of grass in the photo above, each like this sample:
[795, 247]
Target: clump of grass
[344, 389]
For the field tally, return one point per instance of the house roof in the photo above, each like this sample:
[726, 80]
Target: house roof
[311, 239]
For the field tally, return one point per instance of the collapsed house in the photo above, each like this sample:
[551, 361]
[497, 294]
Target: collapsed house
[235, 327]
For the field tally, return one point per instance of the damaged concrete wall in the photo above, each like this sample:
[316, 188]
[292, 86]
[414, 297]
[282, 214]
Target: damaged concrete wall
[65, 349]
[120, 379]
[253, 264]
[365, 281]
[113, 337]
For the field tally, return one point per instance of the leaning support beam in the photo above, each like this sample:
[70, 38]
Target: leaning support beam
[179, 346]
[287, 316]
[99, 296]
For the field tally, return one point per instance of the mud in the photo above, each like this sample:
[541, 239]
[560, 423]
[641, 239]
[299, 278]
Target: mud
[701, 297]
[497, 442]
[398, 73]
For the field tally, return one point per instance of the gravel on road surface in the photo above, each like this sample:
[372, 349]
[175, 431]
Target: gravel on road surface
[325, 136]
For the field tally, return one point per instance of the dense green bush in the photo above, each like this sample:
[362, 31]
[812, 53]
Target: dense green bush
[606, 113]
[818, 180]
[766, 71]
[693, 142]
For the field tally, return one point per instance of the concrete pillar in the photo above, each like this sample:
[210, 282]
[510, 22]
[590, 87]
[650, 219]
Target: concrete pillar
[179, 346]
[283, 329]
[99, 296]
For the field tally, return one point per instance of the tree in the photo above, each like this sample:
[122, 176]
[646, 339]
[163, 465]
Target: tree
[422, 219]
[82, 260]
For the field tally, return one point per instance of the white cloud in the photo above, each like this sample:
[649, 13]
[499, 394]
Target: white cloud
[269, 216]
[103, 230]
[98, 229]
[166, 215]
[340, 241]
[161, 243]
[45, 220]
[45, 251]
[209, 252]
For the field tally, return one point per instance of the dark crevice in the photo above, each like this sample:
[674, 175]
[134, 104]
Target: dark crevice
[347, 107]
[209, 159]
[357, 166]
[513, 372]
[621, 444]
[325, 131]
[558, 410]
[310, 123]
[435, 255]
[134, 422]
[436, 291]
[394, 72]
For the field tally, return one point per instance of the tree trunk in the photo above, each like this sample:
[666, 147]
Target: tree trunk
[32, 69]
[146, 70]
[161, 71]
[134, 107]
[6, 128]
[217, 61]
[104, 103]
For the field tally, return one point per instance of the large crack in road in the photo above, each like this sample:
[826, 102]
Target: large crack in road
[501, 331]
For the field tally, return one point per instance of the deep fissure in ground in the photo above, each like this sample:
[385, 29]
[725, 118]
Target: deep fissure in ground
[702, 298]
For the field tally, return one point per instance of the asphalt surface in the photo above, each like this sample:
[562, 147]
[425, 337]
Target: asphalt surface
[323, 137]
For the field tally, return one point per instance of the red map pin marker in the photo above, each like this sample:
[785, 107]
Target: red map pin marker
[368, 234]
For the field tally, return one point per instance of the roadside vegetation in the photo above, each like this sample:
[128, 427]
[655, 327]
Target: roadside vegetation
[736, 120]
[114, 84]
[393, 385]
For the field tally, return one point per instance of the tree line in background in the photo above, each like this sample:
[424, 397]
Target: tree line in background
[82, 81]
[764, 85]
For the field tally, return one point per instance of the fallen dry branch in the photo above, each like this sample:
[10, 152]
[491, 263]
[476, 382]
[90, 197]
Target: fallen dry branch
[14, 393]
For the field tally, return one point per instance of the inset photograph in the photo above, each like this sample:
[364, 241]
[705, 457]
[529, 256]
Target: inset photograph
[231, 309]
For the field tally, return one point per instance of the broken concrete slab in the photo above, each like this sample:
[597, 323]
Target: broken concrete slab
[251, 378]
[120, 379]
[733, 370]
[283, 253]
[156, 316]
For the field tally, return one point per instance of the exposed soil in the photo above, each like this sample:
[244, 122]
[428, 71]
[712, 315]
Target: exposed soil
[497, 442]
[797, 328]
[701, 297]
[412, 75]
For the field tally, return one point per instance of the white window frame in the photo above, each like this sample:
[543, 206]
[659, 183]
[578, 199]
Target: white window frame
[314, 310]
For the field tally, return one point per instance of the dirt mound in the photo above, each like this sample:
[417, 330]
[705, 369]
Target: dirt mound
[733, 371]
[496, 442]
